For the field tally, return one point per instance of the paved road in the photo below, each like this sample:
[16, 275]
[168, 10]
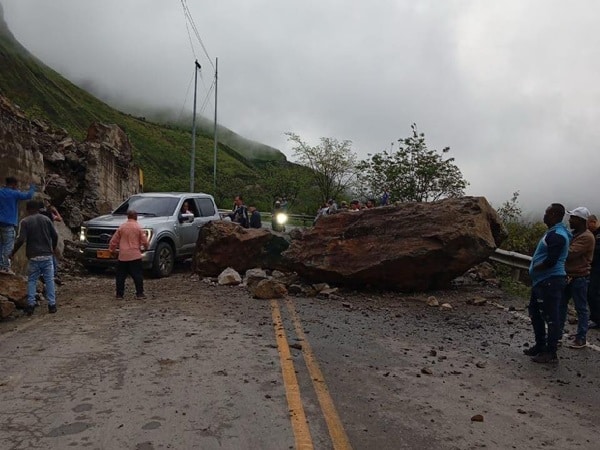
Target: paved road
[207, 367]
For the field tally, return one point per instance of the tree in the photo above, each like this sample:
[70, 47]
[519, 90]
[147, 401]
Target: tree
[412, 172]
[285, 180]
[331, 162]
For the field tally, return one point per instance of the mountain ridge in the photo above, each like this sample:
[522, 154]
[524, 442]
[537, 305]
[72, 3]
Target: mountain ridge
[161, 150]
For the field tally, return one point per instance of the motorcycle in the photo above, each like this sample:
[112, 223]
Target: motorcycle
[279, 220]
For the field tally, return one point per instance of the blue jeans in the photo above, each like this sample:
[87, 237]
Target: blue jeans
[7, 242]
[544, 311]
[577, 290]
[43, 267]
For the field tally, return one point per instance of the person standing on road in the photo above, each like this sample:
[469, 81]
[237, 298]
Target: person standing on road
[37, 232]
[240, 212]
[131, 241]
[593, 296]
[581, 250]
[255, 219]
[9, 217]
[548, 278]
[48, 210]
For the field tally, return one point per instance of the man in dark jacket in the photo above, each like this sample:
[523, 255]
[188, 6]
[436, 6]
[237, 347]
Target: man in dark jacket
[40, 238]
[240, 212]
[593, 296]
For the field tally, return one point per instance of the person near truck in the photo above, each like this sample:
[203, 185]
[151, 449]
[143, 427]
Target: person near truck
[9, 218]
[38, 234]
[131, 240]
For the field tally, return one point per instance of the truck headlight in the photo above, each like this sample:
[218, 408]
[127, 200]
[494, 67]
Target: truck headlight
[82, 236]
[148, 232]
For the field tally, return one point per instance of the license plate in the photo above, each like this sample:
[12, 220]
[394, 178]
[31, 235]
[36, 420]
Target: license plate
[103, 254]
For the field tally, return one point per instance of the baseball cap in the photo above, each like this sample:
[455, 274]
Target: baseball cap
[581, 212]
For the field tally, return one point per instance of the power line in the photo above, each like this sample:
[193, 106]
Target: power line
[187, 94]
[190, 19]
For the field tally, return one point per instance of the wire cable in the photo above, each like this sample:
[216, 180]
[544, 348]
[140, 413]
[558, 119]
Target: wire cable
[190, 19]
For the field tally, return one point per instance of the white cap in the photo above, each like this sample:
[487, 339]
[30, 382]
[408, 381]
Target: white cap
[581, 212]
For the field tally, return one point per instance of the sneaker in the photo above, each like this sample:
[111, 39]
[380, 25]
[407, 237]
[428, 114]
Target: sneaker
[578, 343]
[141, 297]
[29, 309]
[545, 358]
[52, 309]
[534, 350]
[119, 297]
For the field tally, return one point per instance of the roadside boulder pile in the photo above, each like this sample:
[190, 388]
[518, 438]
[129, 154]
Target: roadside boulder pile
[223, 244]
[410, 247]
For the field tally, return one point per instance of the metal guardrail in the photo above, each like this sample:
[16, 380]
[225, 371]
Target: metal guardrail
[515, 260]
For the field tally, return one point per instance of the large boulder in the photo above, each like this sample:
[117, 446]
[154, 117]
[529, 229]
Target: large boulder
[223, 244]
[412, 246]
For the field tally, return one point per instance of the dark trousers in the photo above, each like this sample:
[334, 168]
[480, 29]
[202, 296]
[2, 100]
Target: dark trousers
[133, 268]
[544, 311]
[593, 295]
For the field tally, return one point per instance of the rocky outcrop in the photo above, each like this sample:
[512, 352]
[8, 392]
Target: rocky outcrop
[413, 246]
[81, 179]
[223, 244]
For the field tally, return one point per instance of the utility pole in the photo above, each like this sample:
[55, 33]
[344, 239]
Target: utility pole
[193, 163]
[215, 131]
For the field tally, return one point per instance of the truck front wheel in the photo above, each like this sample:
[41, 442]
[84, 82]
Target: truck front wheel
[164, 260]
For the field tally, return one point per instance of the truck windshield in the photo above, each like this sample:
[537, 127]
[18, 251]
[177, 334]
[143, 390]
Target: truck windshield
[152, 206]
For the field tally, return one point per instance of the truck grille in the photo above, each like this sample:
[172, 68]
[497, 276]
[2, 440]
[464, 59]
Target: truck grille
[99, 237]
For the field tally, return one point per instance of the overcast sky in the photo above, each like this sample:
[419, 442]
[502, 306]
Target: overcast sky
[511, 87]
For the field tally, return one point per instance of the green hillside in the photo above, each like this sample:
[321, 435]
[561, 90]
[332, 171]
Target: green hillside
[162, 151]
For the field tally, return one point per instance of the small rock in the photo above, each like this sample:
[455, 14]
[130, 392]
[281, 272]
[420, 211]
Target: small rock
[426, 371]
[432, 301]
[481, 364]
[229, 277]
[479, 301]
[477, 418]
[521, 411]
[446, 306]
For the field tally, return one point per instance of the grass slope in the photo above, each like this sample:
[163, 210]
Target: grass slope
[162, 151]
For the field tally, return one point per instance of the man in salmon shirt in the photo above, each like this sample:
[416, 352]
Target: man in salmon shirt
[131, 241]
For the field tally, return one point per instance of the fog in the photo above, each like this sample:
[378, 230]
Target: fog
[511, 87]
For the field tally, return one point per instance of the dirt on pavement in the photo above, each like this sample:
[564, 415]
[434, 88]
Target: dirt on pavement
[198, 365]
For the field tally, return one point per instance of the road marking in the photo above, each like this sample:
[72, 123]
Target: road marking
[334, 424]
[292, 389]
[526, 318]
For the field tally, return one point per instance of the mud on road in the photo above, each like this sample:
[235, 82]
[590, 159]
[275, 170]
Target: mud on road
[201, 366]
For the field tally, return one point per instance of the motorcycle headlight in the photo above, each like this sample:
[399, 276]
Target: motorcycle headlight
[82, 236]
[148, 232]
[281, 218]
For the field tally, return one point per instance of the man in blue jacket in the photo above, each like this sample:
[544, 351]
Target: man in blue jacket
[548, 278]
[9, 218]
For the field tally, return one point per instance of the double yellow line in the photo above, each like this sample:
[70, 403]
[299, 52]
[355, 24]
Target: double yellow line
[298, 418]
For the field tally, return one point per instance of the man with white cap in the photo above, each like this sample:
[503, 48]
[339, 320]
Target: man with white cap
[577, 266]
